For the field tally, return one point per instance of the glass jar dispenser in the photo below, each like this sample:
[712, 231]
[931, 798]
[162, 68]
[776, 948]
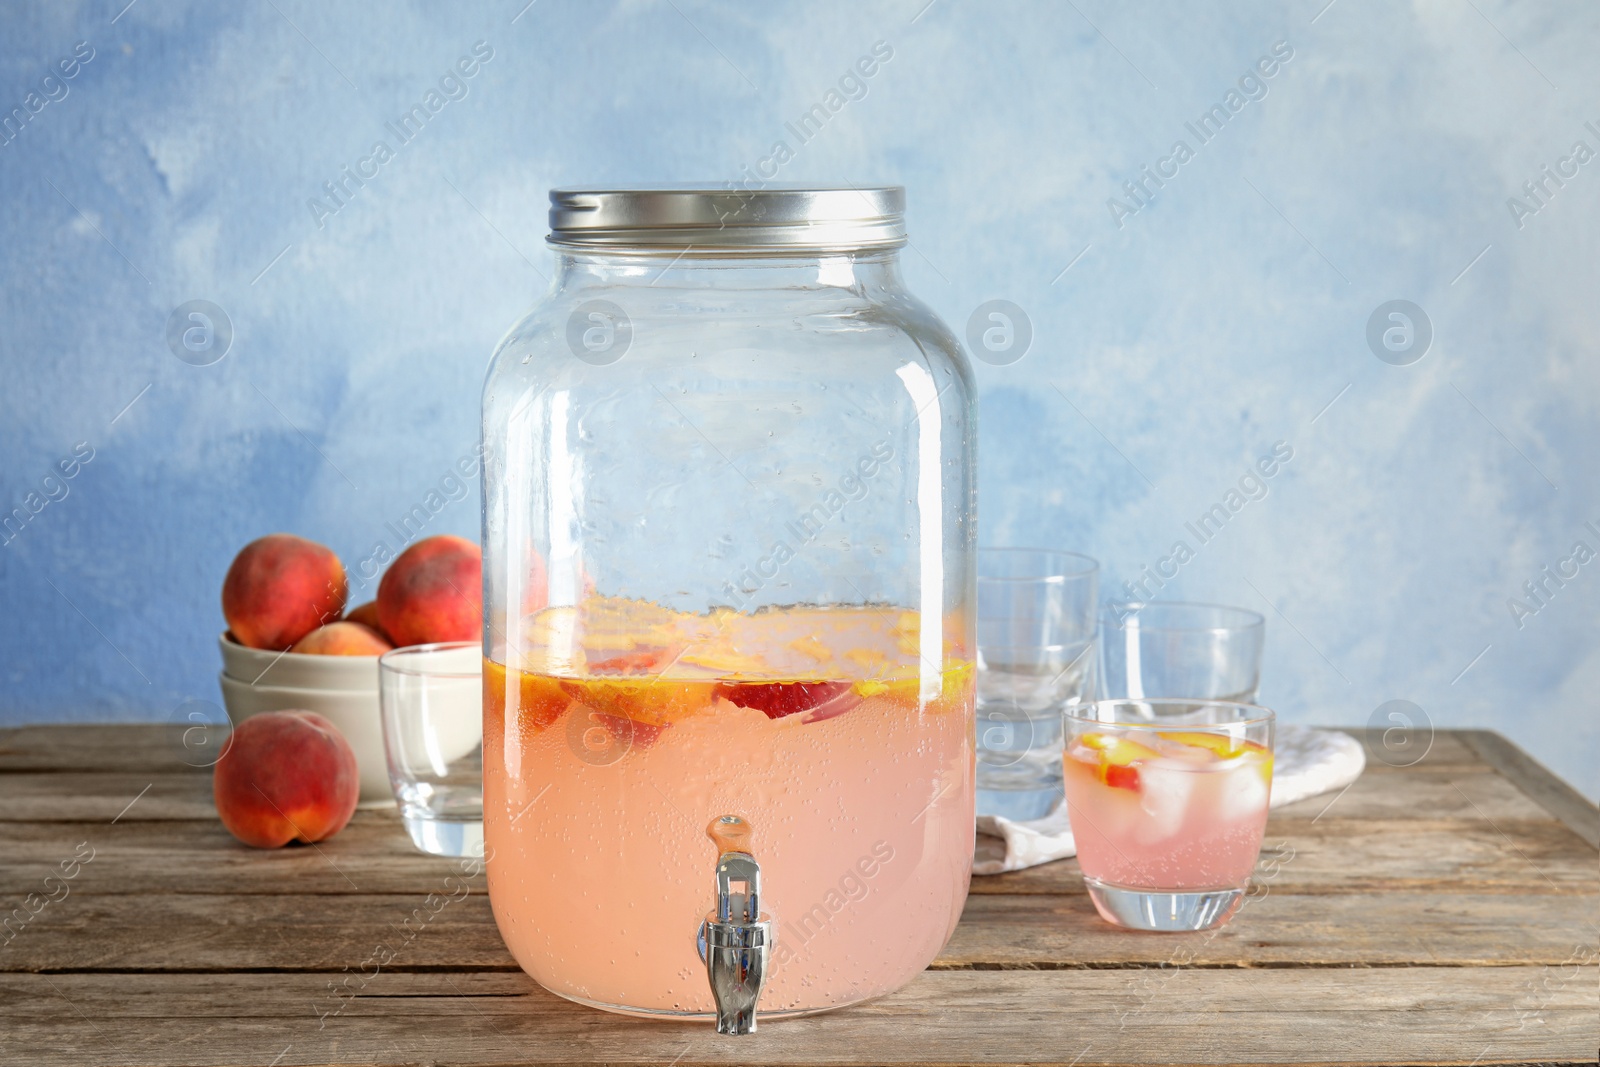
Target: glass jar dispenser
[728, 564]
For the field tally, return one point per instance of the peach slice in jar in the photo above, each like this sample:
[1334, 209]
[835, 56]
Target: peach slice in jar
[630, 686]
[816, 700]
[537, 701]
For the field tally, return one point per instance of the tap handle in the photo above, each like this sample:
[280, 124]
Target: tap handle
[730, 834]
[735, 941]
[738, 875]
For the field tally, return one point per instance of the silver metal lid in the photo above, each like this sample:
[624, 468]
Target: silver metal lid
[706, 220]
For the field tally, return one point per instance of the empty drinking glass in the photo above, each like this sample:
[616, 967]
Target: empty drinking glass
[432, 701]
[1173, 649]
[1036, 640]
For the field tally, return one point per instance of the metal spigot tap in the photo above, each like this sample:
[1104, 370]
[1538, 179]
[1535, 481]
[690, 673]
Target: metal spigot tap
[736, 938]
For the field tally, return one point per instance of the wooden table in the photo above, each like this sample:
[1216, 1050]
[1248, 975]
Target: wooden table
[1441, 913]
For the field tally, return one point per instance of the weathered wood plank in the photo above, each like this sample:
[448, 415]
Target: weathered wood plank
[373, 855]
[208, 932]
[1284, 929]
[88, 772]
[130, 747]
[1362, 855]
[1530, 776]
[127, 796]
[1443, 751]
[192, 932]
[174, 746]
[1393, 1015]
[1433, 913]
[1472, 794]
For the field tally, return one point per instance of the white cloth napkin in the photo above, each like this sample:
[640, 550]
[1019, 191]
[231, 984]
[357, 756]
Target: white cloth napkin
[1305, 762]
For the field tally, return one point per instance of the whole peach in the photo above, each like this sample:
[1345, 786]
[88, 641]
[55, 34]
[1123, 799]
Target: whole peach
[343, 639]
[285, 776]
[367, 615]
[280, 588]
[433, 591]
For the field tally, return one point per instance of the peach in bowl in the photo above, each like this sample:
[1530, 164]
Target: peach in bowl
[341, 688]
[291, 645]
[300, 670]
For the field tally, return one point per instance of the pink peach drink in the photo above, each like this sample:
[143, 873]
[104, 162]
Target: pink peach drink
[1168, 810]
[619, 730]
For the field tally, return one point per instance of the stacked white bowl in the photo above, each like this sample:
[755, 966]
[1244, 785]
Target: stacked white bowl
[342, 689]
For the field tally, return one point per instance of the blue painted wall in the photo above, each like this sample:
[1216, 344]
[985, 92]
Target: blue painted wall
[1395, 152]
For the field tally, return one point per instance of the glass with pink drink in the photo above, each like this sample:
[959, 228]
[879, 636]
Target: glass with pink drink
[1168, 803]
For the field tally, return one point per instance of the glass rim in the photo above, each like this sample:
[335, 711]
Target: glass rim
[1076, 647]
[1261, 715]
[1254, 620]
[1082, 572]
[389, 660]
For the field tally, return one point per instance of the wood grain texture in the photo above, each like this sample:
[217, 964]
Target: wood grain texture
[1554, 795]
[371, 855]
[127, 796]
[88, 747]
[146, 747]
[1491, 1015]
[1443, 912]
[1342, 856]
[216, 932]
[36, 796]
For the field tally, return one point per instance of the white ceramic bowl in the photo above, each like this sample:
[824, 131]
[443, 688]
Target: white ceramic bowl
[353, 712]
[296, 669]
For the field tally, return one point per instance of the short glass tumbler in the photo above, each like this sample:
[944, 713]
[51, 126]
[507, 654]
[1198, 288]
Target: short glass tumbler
[432, 700]
[1168, 803]
[1175, 649]
[1033, 597]
[1036, 640]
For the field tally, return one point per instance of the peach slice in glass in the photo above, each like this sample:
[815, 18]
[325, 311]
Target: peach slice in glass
[1225, 747]
[1117, 756]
